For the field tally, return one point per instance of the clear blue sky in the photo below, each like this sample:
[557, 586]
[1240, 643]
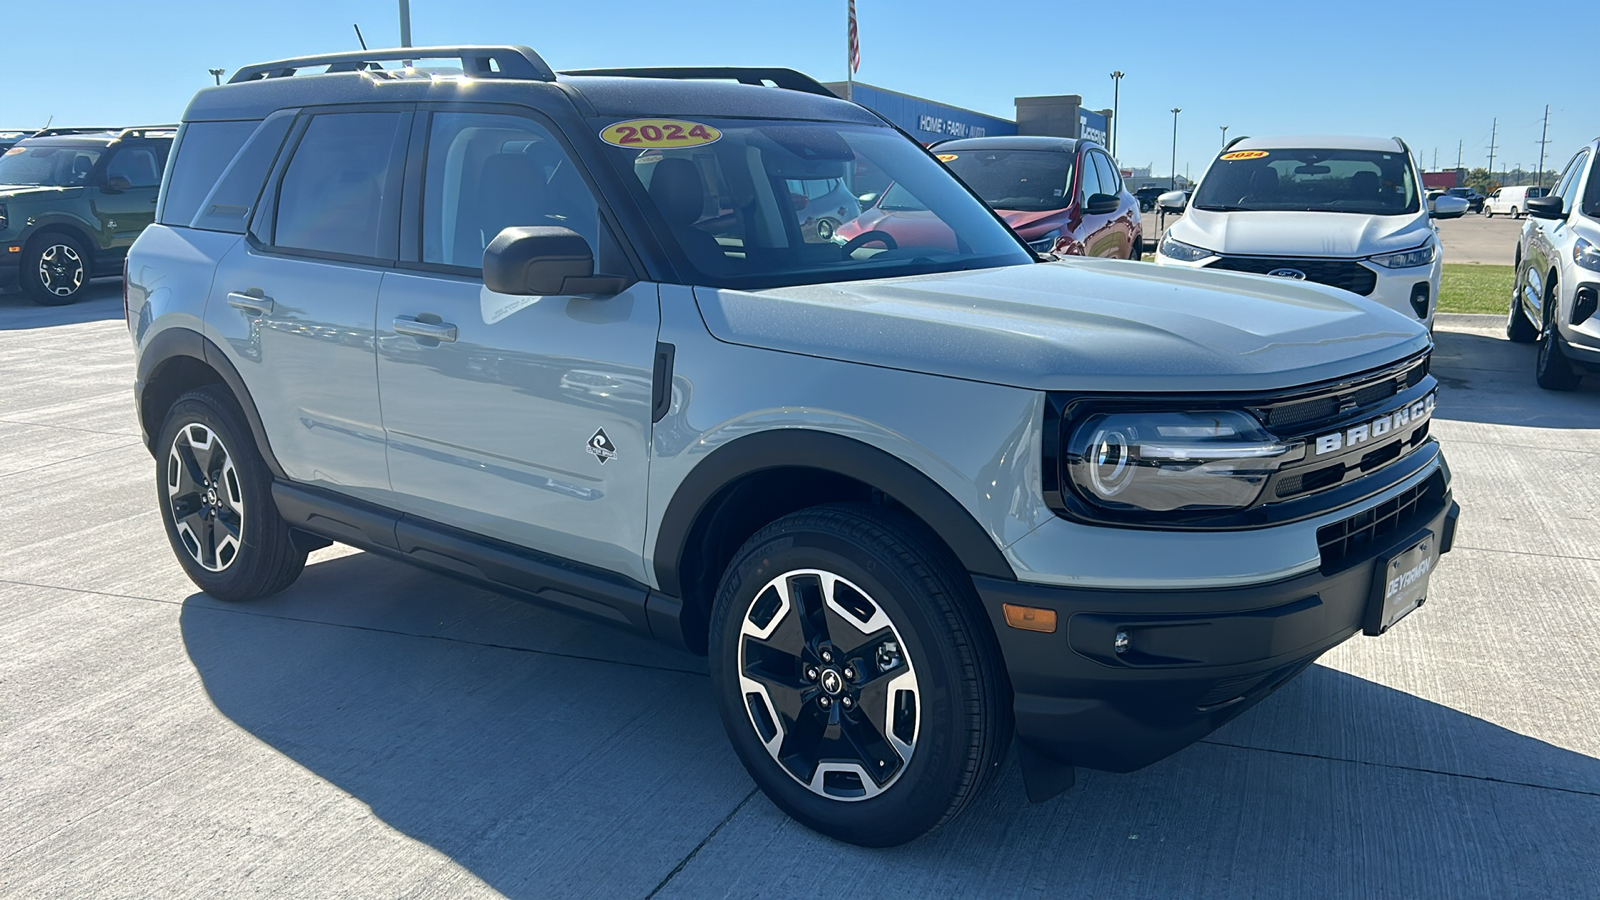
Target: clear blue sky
[1361, 66]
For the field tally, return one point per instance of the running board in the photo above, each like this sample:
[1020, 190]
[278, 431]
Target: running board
[517, 571]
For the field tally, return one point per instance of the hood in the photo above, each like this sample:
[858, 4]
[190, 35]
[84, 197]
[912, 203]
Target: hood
[1080, 324]
[1301, 233]
[20, 191]
[1029, 222]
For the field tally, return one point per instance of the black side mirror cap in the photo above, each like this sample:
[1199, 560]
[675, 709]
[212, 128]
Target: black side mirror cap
[1100, 204]
[542, 261]
[1545, 207]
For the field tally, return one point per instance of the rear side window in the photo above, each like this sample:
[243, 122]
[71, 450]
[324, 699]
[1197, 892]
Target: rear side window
[337, 185]
[204, 151]
[230, 203]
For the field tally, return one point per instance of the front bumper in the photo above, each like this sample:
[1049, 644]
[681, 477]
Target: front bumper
[10, 265]
[1195, 659]
[1412, 292]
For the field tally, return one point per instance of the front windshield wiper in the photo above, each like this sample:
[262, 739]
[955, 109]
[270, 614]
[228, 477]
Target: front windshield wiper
[1223, 207]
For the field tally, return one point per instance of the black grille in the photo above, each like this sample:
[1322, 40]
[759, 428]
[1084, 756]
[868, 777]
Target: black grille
[1348, 397]
[1351, 537]
[1340, 273]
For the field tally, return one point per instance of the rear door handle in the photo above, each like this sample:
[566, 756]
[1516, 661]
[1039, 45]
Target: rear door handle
[439, 331]
[250, 302]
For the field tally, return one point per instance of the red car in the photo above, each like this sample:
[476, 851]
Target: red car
[1060, 194]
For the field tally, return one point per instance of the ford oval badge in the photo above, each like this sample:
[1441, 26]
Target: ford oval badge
[1296, 274]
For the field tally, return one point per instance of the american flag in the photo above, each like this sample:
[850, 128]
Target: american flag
[855, 40]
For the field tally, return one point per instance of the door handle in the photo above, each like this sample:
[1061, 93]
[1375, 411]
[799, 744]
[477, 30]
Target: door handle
[250, 302]
[439, 331]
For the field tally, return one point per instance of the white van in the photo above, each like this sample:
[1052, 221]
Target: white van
[1511, 201]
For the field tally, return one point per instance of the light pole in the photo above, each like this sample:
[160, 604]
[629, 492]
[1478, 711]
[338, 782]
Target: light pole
[217, 74]
[1116, 113]
[1224, 136]
[1173, 185]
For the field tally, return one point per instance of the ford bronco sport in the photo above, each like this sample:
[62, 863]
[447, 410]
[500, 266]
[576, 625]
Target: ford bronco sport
[564, 335]
[72, 201]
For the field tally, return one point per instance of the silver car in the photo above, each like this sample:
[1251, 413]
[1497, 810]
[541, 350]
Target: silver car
[914, 495]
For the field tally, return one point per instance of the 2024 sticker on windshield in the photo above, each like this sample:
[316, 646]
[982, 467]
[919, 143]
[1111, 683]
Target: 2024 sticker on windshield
[659, 134]
[1243, 154]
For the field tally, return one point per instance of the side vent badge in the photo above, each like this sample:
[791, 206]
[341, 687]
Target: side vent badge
[602, 448]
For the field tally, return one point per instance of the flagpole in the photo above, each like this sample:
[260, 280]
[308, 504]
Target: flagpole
[849, 55]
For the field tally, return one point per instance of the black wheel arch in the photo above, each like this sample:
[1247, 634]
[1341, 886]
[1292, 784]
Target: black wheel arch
[704, 524]
[72, 228]
[178, 360]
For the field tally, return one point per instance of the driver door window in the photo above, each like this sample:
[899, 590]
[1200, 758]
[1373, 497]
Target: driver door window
[487, 172]
[1090, 177]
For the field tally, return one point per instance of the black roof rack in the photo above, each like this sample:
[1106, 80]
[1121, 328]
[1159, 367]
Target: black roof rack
[476, 61]
[788, 79]
[144, 130]
[52, 132]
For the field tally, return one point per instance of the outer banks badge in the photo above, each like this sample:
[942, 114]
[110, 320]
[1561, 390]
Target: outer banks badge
[602, 448]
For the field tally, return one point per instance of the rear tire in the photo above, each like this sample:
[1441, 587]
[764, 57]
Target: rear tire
[1514, 213]
[215, 494]
[855, 675]
[55, 269]
[1137, 252]
[1551, 368]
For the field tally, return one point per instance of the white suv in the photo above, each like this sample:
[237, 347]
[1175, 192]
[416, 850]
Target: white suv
[1341, 211]
[1558, 276]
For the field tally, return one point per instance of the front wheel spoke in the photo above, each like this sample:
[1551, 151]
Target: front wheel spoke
[191, 468]
[878, 757]
[185, 505]
[865, 657]
[805, 592]
[802, 742]
[227, 523]
[196, 522]
[788, 637]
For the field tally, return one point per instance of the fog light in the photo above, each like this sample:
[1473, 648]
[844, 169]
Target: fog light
[1030, 618]
[1120, 643]
[1583, 305]
[1419, 299]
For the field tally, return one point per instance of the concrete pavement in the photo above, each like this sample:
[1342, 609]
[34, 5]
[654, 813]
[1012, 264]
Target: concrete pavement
[378, 731]
[1479, 239]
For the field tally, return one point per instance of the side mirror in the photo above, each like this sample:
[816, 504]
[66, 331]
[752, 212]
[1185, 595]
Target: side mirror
[1448, 206]
[116, 184]
[537, 261]
[1545, 207]
[1173, 201]
[1100, 204]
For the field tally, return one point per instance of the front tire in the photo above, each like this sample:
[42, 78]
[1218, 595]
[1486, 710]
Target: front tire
[855, 676]
[1551, 368]
[1519, 330]
[215, 494]
[55, 270]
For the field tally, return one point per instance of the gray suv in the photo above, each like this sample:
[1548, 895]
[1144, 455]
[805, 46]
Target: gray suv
[567, 336]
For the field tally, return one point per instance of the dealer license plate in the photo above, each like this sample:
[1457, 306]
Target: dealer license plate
[1402, 584]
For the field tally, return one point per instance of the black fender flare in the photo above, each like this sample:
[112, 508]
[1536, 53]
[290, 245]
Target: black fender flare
[176, 343]
[807, 449]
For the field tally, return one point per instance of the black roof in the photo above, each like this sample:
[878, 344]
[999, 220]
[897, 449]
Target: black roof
[1016, 142]
[356, 77]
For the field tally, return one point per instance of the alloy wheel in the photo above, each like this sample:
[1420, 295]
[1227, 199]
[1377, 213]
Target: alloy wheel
[61, 270]
[828, 685]
[206, 501]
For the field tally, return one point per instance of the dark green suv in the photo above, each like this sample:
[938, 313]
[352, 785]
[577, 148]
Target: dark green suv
[72, 201]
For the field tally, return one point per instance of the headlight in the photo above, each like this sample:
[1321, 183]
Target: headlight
[1182, 252]
[1163, 461]
[1047, 243]
[1584, 253]
[1409, 259]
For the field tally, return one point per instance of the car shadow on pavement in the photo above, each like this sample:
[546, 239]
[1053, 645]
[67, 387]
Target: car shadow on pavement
[101, 300]
[549, 757]
[1490, 380]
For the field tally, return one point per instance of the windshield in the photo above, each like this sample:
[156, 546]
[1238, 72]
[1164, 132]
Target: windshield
[1368, 182]
[1015, 180]
[55, 166]
[754, 203]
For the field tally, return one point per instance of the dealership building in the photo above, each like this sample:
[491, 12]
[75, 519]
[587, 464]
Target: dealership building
[930, 121]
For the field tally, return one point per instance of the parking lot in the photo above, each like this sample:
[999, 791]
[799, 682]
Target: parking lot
[378, 731]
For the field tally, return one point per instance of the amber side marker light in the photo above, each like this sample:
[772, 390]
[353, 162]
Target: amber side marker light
[1030, 618]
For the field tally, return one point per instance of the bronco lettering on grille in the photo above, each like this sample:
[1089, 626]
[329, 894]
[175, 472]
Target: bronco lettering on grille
[1414, 414]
